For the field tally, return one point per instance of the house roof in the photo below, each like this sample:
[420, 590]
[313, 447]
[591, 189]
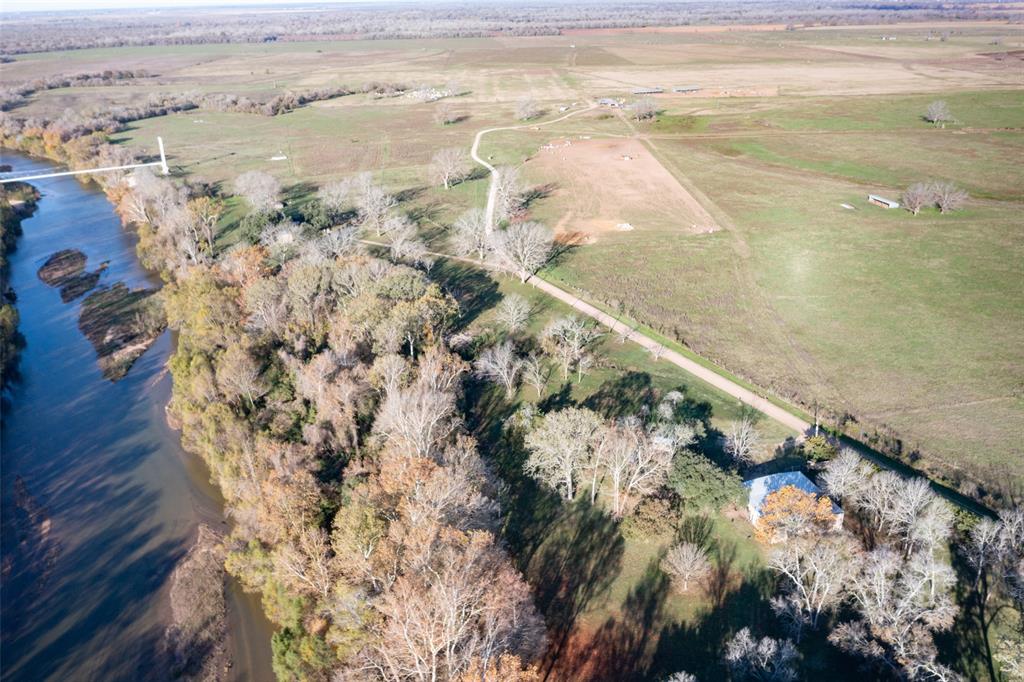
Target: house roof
[761, 487]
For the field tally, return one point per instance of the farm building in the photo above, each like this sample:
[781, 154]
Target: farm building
[761, 487]
[648, 91]
[608, 102]
[686, 88]
[882, 201]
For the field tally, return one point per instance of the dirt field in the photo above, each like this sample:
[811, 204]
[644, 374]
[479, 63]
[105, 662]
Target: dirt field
[614, 185]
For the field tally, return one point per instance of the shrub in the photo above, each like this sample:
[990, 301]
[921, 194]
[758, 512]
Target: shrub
[819, 449]
[702, 484]
[653, 517]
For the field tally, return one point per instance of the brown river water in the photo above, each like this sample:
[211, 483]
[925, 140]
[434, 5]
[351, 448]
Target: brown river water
[99, 501]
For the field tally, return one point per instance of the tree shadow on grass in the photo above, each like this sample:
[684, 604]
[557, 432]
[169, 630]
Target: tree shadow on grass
[424, 216]
[473, 288]
[560, 251]
[697, 646]
[622, 647]
[966, 646]
[478, 172]
[777, 465]
[537, 193]
[578, 556]
[696, 530]
[296, 196]
[558, 400]
[407, 195]
[622, 396]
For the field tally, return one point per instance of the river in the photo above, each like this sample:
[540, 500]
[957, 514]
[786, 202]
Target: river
[99, 500]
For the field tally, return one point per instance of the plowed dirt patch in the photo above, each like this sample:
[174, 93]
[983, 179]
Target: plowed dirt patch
[613, 185]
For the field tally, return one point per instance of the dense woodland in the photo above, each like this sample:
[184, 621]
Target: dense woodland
[332, 389]
[70, 30]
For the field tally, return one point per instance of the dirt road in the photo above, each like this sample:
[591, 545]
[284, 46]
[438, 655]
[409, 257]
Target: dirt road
[492, 193]
[700, 371]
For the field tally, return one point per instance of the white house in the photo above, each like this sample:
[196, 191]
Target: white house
[761, 487]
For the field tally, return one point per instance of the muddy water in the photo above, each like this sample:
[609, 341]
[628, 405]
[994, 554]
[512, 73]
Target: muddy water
[98, 499]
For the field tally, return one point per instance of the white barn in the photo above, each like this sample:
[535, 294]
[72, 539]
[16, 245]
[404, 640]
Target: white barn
[761, 487]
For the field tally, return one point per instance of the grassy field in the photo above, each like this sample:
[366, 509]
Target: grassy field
[911, 323]
[926, 308]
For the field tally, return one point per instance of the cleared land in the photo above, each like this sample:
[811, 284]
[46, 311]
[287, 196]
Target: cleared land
[910, 323]
[605, 185]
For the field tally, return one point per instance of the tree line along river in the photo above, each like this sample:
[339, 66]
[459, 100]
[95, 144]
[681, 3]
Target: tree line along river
[99, 501]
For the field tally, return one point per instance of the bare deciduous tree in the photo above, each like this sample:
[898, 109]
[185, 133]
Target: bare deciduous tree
[181, 229]
[337, 242]
[846, 477]
[445, 113]
[405, 246]
[306, 563]
[535, 373]
[681, 676]
[983, 546]
[468, 605]
[684, 563]
[266, 305]
[527, 109]
[634, 463]
[917, 196]
[644, 109]
[948, 197]
[569, 339]
[239, 375]
[513, 313]
[560, 447]
[374, 205]
[207, 212]
[283, 240]
[938, 113]
[259, 189]
[449, 166]
[470, 236]
[815, 573]
[766, 660]
[524, 248]
[335, 195]
[509, 191]
[742, 440]
[417, 418]
[901, 603]
[501, 365]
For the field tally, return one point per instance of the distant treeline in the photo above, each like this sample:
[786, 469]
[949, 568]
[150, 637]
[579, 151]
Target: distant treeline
[76, 124]
[77, 30]
[15, 95]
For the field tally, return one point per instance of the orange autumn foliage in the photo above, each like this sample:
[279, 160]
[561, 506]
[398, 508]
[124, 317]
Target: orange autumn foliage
[507, 668]
[790, 512]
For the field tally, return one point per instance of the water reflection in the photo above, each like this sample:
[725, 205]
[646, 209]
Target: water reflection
[108, 501]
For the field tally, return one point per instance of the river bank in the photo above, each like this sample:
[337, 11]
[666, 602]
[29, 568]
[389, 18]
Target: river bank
[100, 501]
[17, 202]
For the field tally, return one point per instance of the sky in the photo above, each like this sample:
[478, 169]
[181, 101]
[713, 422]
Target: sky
[54, 5]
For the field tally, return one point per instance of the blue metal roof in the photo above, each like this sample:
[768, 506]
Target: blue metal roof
[761, 487]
